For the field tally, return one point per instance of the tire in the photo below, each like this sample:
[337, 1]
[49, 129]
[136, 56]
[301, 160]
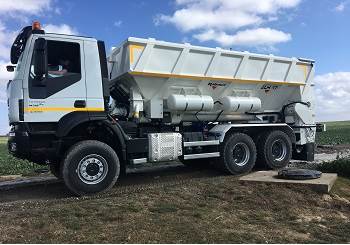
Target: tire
[274, 149]
[56, 170]
[90, 167]
[238, 154]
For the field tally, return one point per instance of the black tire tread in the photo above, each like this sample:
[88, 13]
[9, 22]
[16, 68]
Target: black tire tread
[262, 159]
[77, 148]
[223, 161]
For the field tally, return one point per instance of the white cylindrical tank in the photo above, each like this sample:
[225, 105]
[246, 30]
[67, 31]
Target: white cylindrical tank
[179, 102]
[240, 104]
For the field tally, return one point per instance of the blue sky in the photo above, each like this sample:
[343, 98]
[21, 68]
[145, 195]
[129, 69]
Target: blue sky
[299, 28]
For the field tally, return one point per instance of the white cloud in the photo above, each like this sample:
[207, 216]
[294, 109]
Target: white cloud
[194, 19]
[118, 23]
[4, 74]
[24, 6]
[61, 29]
[22, 10]
[4, 77]
[210, 20]
[250, 37]
[340, 7]
[332, 93]
[6, 40]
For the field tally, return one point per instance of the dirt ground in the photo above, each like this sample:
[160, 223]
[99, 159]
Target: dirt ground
[177, 205]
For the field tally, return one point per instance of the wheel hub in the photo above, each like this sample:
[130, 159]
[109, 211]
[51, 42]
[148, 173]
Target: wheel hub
[279, 150]
[241, 154]
[92, 169]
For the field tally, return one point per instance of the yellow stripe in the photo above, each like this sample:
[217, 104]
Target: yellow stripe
[60, 109]
[225, 79]
[131, 51]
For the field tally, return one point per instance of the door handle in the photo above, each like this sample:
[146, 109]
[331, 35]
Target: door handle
[80, 104]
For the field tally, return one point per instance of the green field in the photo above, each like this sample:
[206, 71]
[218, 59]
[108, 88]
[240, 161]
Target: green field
[10, 165]
[337, 133]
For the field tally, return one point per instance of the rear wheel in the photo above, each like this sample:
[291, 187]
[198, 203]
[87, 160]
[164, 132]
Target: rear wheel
[90, 167]
[274, 149]
[238, 154]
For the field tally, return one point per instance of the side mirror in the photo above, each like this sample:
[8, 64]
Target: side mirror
[10, 68]
[40, 59]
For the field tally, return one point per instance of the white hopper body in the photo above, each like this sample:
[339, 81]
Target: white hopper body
[161, 76]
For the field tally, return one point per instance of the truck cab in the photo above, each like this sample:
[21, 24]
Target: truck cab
[57, 77]
[71, 76]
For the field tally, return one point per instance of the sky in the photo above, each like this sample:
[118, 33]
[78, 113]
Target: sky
[294, 28]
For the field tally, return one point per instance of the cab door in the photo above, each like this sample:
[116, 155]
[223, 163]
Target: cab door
[62, 90]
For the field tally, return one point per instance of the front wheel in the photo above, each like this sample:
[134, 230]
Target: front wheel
[90, 167]
[238, 154]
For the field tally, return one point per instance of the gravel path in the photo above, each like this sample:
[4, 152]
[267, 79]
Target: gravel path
[325, 154]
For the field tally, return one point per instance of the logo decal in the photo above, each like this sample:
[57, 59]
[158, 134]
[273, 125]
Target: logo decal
[269, 87]
[214, 85]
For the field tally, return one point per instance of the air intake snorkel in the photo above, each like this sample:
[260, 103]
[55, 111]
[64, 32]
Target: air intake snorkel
[21, 40]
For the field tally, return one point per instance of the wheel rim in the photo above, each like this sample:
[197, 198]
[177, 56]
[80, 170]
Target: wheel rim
[279, 150]
[92, 169]
[241, 154]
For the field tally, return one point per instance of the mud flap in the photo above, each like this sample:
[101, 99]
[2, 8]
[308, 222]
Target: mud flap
[307, 153]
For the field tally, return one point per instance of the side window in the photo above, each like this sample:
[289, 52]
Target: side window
[63, 69]
[63, 59]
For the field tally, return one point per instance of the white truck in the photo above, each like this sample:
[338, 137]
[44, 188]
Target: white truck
[89, 116]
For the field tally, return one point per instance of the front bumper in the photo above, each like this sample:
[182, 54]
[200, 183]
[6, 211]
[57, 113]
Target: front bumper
[19, 143]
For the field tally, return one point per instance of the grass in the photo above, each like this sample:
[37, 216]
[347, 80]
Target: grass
[188, 213]
[337, 133]
[10, 165]
[339, 166]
